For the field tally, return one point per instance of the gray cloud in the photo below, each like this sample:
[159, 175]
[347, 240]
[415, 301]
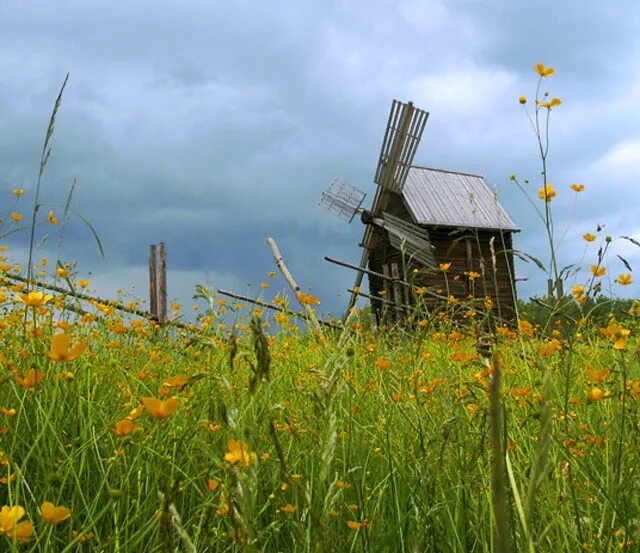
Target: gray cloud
[214, 125]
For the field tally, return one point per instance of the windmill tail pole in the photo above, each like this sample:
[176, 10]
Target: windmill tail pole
[292, 283]
[357, 283]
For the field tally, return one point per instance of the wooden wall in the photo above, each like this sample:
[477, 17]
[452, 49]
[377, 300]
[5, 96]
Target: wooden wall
[467, 250]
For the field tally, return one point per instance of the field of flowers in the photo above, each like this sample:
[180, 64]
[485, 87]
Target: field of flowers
[247, 432]
[119, 436]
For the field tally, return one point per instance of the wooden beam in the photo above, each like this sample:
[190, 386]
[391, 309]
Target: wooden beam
[274, 307]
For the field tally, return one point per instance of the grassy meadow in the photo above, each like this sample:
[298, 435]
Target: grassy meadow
[246, 431]
[231, 439]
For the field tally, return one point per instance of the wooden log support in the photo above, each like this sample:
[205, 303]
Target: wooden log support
[153, 282]
[388, 294]
[397, 292]
[311, 315]
[276, 308]
[469, 258]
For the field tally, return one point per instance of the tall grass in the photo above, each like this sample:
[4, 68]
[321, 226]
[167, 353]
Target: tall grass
[246, 433]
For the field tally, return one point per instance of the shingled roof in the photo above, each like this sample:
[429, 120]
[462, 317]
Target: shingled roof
[447, 198]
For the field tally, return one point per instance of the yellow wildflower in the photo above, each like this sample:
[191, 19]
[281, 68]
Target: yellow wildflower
[52, 514]
[308, 299]
[550, 104]
[238, 454]
[31, 380]
[159, 409]
[624, 279]
[577, 187]
[11, 527]
[544, 71]
[35, 299]
[61, 350]
[596, 394]
[588, 237]
[382, 363]
[547, 193]
[616, 332]
[124, 427]
[578, 293]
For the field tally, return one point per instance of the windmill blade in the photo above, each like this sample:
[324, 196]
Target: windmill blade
[342, 199]
[408, 238]
[402, 136]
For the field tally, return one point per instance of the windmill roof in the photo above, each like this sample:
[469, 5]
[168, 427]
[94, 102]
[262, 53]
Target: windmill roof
[447, 198]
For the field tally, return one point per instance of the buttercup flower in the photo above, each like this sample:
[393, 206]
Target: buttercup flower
[61, 350]
[52, 514]
[11, 527]
[160, 409]
[31, 380]
[52, 218]
[588, 237]
[35, 299]
[597, 394]
[124, 428]
[544, 71]
[547, 193]
[550, 104]
[624, 279]
[577, 187]
[238, 454]
[578, 293]
[308, 299]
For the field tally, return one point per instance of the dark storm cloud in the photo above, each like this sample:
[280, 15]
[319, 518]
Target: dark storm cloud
[214, 125]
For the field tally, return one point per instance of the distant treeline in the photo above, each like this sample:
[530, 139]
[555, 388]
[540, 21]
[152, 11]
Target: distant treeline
[599, 310]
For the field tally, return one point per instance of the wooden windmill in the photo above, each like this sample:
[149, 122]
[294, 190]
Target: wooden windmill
[402, 136]
[425, 218]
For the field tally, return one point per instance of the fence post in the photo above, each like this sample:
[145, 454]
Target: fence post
[153, 282]
[158, 283]
[162, 285]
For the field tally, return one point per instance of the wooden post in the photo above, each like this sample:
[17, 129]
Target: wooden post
[388, 293]
[158, 283]
[162, 285]
[469, 256]
[397, 292]
[153, 282]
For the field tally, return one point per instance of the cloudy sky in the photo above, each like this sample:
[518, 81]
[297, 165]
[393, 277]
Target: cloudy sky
[214, 125]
